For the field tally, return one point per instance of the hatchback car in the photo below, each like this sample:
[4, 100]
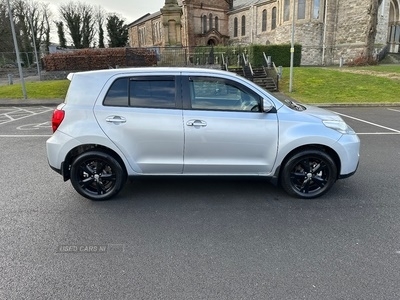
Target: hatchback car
[122, 123]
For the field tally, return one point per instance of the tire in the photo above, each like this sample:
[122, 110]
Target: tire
[97, 175]
[308, 174]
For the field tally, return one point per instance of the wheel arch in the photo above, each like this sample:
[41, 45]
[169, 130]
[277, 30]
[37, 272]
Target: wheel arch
[332, 153]
[78, 150]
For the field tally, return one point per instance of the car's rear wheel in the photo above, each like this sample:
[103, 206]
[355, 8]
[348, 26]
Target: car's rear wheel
[97, 175]
[308, 174]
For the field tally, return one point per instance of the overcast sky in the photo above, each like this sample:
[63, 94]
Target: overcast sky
[128, 9]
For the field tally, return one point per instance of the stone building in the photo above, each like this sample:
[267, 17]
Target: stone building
[328, 30]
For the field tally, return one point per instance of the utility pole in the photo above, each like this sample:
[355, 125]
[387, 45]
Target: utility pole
[21, 75]
[34, 48]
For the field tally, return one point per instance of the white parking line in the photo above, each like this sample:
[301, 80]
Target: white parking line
[21, 114]
[392, 109]
[370, 123]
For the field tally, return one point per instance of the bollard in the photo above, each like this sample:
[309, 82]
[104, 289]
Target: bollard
[10, 79]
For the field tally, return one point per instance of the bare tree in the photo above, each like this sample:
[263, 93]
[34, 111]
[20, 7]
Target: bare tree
[32, 20]
[79, 18]
[372, 28]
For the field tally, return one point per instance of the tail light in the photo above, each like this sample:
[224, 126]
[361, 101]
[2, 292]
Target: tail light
[57, 118]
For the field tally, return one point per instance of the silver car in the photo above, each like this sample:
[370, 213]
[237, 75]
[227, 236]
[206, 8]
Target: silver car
[122, 123]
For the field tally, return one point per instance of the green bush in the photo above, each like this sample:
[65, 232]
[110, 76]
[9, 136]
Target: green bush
[280, 55]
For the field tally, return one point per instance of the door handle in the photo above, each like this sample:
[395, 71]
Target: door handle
[196, 123]
[115, 119]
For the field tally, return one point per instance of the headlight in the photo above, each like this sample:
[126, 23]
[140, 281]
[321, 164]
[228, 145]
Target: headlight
[339, 126]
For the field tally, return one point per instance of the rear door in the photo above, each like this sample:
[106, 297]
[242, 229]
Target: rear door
[225, 130]
[143, 117]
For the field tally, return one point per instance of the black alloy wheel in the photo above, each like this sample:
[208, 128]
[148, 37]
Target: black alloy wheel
[97, 175]
[308, 174]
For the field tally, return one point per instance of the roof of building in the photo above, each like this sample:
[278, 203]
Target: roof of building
[145, 18]
[238, 4]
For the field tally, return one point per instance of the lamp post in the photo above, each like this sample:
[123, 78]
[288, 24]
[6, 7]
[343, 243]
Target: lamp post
[34, 48]
[292, 49]
[21, 75]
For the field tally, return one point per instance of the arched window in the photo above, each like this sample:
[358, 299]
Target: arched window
[243, 32]
[286, 10]
[264, 20]
[316, 8]
[273, 19]
[216, 23]
[301, 9]
[235, 27]
[204, 23]
[210, 21]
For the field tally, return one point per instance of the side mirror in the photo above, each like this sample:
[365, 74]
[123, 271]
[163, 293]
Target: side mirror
[267, 105]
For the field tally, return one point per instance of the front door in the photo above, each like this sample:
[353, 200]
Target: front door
[225, 131]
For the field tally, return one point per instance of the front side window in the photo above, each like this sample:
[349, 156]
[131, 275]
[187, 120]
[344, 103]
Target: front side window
[216, 23]
[210, 21]
[204, 19]
[220, 94]
[156, 93]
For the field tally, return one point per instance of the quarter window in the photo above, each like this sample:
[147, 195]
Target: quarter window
[117, 95]
[220, 94]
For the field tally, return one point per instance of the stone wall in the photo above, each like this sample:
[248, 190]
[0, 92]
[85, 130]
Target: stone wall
[342, 37]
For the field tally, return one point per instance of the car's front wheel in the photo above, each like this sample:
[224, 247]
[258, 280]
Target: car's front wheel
[97, 175]
[308, 174]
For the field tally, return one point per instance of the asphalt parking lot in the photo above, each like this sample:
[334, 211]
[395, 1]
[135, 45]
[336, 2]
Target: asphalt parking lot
[199, 238]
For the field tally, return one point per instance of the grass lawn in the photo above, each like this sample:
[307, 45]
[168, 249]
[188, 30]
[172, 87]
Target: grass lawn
[310, 85]
[49, 89]
[343, 85]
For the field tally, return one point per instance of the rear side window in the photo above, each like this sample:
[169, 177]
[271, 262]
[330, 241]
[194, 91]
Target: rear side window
[152, 92]
[158, 93]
